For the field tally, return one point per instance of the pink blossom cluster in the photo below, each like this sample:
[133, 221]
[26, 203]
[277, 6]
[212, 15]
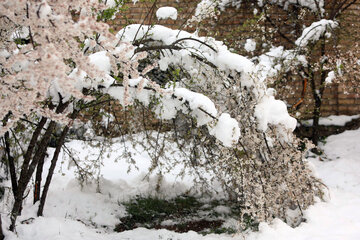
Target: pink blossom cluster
[35, 72]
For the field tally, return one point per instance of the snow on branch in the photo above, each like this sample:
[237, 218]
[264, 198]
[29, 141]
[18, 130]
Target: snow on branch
[214, 52]
[224, 128]
[166, 12]
[46, 69]
[315, 31]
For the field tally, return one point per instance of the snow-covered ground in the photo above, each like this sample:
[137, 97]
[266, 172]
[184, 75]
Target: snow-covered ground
[333, 120]
[71, 212]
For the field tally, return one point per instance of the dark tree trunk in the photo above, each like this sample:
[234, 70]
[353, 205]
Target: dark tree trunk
[318, 93]
[27, 157]
[11, 164]
[32, 144]
[51, 170]
[38, 177]
[26, 176]
[2, 237]
[30, 162]
[316, 117]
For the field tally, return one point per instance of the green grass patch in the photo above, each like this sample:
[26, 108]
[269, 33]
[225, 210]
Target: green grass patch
[181, 214]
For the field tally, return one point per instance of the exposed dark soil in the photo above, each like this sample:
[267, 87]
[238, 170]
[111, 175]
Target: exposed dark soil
[325, 131]
[197, 226]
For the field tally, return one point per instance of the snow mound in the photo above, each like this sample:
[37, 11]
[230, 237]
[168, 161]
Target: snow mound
[226, 130]
[272, 111]
[166, 13]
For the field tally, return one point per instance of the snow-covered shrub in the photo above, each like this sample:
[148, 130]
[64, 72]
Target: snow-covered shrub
[249, 148]
[298, 39]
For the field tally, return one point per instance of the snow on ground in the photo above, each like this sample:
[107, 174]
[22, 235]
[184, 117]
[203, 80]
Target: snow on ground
[332, 120]
[71, 211]
[338, 218]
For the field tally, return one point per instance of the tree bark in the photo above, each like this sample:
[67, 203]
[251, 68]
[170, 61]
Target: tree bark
[29, 168]
[51, 170]
[32, 144]
[24, 169]
[38, 178]
[11, 164]
[316, 117]
[318, 94]
[2, 236]
[25, 178]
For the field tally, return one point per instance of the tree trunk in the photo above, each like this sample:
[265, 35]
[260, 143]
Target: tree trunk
[38, 177]
[26, 176]
[29, 168]
[318, 94]
[316, 117]
[51, 170]
[11, 164]
[2, 237]
[32, 144]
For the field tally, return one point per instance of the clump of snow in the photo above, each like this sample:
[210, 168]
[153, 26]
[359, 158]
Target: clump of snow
[197, 102]
[45, 10]
[222, 210]
[168, 222]
[80, 79]
[168, 107]
[250, 45]
[118, 92]
[166, 13]
[201, 107]
[101, 61]
[315, 31]
[110, 3]
[4, 53]
[293, 217]
[330, 77]
[20, 33]
[226, 130]
[272, 111]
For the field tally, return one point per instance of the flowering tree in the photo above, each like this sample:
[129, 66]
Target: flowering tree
[54, 65]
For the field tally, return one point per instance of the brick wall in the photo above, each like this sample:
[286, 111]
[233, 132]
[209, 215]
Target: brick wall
[236, 25]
